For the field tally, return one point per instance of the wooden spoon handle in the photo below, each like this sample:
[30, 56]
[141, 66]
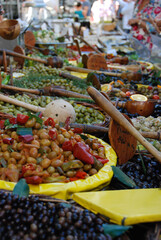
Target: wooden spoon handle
[96, 50]
[17, 89]
[119, 118]
[102, 43]
[85, 70]
[78, 47]
[66, 93]
[14, 54]
[21, 104]
[102, 130]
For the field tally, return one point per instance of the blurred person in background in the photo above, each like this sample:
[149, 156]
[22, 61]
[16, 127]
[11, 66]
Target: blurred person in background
[141, 23]
[111, 8]
[127, 9]
[98, 11]
[78, 10]
[158, 21]
[1, 13]
[86, 8]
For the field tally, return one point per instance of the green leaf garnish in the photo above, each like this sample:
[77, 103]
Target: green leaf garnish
[21, 188]
[142, 161]
[84, 137]
[122, 177]
[39, 160]
[115, 230]
[41, 151]
[10, 149]
[3, 162]
[22, 131]
[36, 116]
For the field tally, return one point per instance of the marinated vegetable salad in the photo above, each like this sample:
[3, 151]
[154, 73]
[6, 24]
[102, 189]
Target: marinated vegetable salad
[41, 151]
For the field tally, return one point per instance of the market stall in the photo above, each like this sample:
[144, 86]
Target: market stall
[80, 135]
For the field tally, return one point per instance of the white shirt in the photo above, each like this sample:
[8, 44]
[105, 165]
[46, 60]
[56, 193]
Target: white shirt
[127, 9]
[98, 11]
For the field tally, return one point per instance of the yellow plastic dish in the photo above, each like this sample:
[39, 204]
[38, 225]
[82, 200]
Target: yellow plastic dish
[66, 190]
[124, 207]
[80, 75]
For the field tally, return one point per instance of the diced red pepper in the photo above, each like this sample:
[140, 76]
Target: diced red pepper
[40, 115]
[50, 122]
[26, 167]
[53, 134]
[100, 145]
[156, 97]
[73, 179]
[67, 146]
[67, 122]
[34, 180]
[80, 151]
[102, 160]
[128, 93]
[8, 141]
[77, 130]
[81, 174]
[13, 120]
[26, 138]
[2, 126]
[150, 87]
[22, 119]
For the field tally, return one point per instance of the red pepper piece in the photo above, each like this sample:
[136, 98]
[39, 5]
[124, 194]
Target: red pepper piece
[26, 138]
[67, 122]
[8, 141]
[156, 97]
[50, 122]
[67, 146]
[150, 87]
[128, 93]
[40, 115]
[34, 180]
[53, 134]
[2, 124]
[81, 174]
[26, 167]
[102, 160]
[22, 119]
[77, 130]
[13, 120]
[73, 179]
[80, 151]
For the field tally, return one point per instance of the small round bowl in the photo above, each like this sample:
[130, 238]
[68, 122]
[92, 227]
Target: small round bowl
[9, 29]
[143, 108]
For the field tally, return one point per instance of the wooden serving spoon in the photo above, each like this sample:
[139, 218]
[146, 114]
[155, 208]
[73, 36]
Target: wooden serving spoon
[51, 110]
[120, 119]
[49, 62]
[54, 91]
[94, 129]
[135, 76]
[87, 43]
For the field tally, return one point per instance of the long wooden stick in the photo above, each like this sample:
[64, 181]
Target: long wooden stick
[87, 43]
[119, 118]
[21, 104]
[48, 91]
[85, 70]
[14, 54]
[102, 130]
